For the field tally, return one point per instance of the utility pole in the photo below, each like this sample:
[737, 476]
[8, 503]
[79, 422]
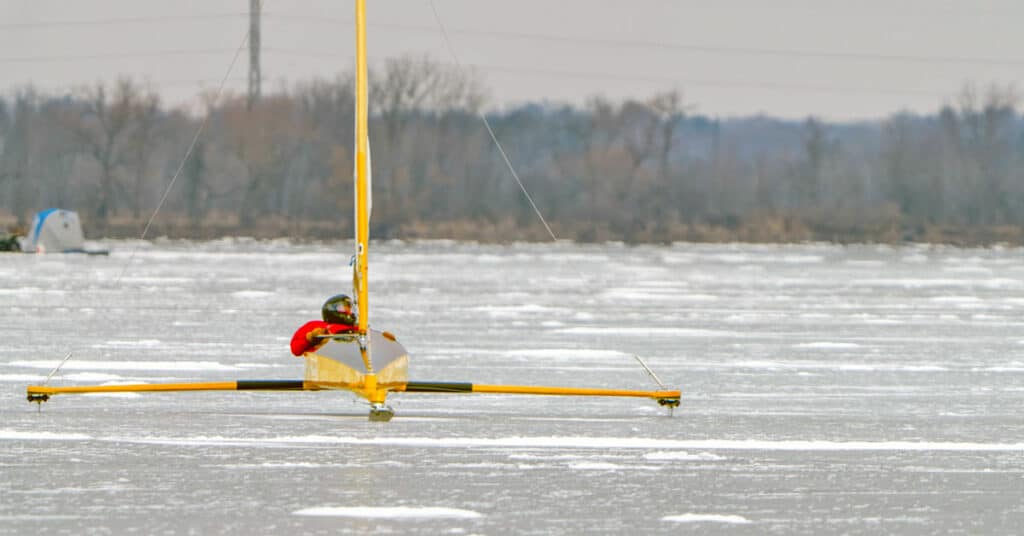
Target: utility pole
[254, 52]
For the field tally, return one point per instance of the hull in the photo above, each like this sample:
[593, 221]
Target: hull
[338, 363]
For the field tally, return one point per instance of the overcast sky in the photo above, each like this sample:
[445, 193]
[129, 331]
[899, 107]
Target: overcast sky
[791, 58]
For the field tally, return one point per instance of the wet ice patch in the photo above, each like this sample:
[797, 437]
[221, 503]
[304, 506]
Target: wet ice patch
[707, 518]
[389, 512]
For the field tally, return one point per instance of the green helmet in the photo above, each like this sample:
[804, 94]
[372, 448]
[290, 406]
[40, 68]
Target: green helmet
[338, 310]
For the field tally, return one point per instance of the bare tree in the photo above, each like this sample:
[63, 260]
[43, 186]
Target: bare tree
[14, 158]
[103, 125]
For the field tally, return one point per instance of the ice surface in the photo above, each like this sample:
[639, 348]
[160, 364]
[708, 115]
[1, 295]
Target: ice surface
[554, 442]
[826, 390]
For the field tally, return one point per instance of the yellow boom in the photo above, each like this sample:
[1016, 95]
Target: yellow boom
[42, 393]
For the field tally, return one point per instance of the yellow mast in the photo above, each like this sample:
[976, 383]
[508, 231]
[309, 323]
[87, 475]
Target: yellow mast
[362, 184]
[371, 391]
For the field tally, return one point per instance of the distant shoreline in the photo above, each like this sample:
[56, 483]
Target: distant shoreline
[763, 230]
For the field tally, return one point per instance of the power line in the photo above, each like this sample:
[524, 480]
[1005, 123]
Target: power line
[686, 47]
[115, 55]
[638, 77]
[117, 21]
[712, 82]
[667, 80]
[613, 43]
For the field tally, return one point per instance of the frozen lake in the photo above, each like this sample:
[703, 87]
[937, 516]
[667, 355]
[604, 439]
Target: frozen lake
[826, 389]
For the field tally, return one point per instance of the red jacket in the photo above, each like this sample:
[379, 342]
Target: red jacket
[302, 341]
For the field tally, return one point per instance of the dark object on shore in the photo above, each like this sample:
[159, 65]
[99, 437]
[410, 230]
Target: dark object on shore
[10, 243]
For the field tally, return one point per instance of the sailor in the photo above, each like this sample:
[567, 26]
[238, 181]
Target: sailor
[337, 318]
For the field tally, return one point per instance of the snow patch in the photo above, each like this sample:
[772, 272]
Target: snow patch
[654, 331]
[91, 377]
[656, 294]
[595, 466]
[562, 353]
[22, 377]
[113, 395]
[683, 456]
[133, 343]
[126, 365]
[522, 308]
[46, 436]
[967, 300]
[390, 512]
[706, 518]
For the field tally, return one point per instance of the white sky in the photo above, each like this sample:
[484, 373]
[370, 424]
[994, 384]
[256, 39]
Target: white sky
[788, 58]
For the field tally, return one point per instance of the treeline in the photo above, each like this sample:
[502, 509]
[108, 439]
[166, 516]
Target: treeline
[649, 170]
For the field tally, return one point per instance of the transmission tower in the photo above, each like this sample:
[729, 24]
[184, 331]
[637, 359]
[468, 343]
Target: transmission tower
[254, 51]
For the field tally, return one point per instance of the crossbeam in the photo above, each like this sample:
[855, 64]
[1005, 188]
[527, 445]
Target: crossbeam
[42, 393]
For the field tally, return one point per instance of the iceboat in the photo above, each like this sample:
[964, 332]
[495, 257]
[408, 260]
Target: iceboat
[367, 362]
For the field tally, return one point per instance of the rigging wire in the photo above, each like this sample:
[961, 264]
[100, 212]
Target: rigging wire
[177, 173]
[508, 163]
[490, 131]
[57, 368]
[188, 152]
